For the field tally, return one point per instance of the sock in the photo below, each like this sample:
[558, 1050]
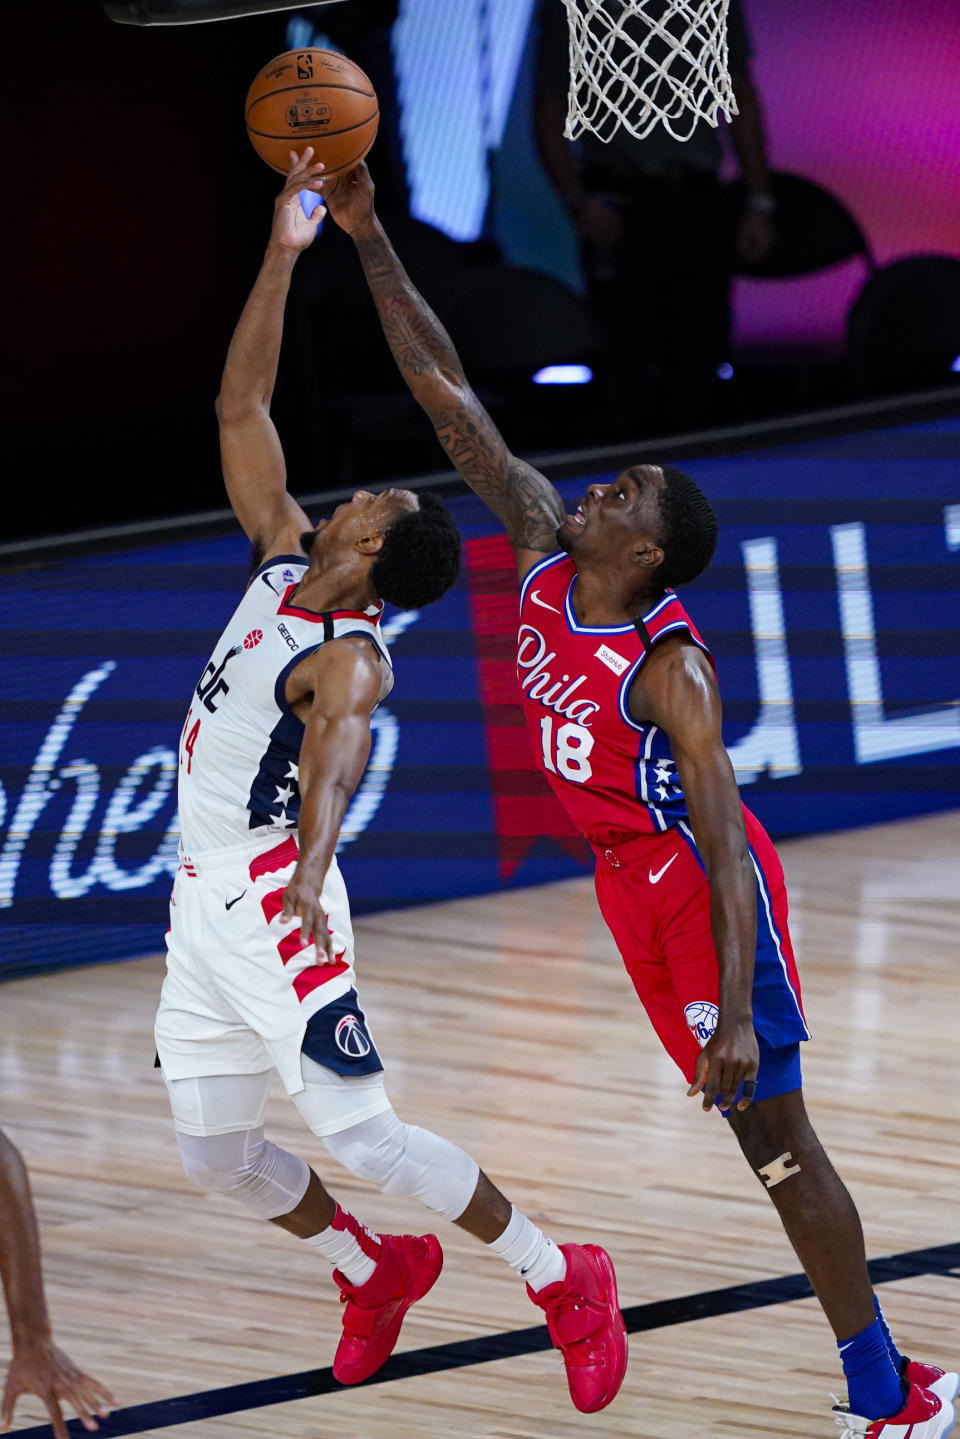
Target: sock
[895, 1355]
[349, 1245]
[535, 1258]
[873, 1382]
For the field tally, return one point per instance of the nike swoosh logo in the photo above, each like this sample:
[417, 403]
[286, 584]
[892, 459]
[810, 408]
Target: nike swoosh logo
[655, 878]
[270, 586]
[542, 603]
[229, 903]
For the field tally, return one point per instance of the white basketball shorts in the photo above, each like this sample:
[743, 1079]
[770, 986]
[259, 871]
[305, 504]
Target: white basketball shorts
[241, 987]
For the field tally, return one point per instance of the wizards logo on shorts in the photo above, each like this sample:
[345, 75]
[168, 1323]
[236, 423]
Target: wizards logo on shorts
[350, 1039]
[701, 1017]
[337, 1037]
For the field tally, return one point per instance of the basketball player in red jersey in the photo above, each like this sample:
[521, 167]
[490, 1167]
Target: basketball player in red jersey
[260, 968]
[620, 698]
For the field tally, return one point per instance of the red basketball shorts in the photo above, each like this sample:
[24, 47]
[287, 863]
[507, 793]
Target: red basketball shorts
[655, 898]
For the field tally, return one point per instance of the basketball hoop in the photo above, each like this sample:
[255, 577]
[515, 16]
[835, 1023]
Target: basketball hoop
[637, 63]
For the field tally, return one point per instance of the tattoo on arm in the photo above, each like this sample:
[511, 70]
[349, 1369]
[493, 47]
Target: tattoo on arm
[523, 499]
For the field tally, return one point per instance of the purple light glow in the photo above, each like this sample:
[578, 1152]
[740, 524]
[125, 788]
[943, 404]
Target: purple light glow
[861, 99]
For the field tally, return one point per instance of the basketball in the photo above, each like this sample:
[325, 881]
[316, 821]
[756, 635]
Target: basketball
[312, 97]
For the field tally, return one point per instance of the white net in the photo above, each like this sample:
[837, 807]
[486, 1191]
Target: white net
[638, 63]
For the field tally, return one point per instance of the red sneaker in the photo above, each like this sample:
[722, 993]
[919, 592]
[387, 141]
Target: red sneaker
[923, 1416]
[407, 1269]
[928, 1376]
[586, 1325]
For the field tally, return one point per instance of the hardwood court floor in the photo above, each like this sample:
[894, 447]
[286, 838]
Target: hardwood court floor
[507, 1023]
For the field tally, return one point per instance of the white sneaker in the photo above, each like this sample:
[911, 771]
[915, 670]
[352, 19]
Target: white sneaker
[923, 1416]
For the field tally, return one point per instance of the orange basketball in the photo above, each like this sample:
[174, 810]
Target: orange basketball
[312, 97]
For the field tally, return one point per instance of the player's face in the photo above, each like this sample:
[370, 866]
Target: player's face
[366, 515]
[610, 519]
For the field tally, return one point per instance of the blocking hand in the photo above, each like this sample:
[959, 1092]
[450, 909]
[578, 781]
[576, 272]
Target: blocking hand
[349, 198]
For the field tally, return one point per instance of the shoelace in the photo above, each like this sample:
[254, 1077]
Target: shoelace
[576, 1351]
[846, 1421]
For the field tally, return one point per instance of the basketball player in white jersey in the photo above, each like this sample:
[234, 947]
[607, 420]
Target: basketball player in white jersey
[260, 970]
[629, 738]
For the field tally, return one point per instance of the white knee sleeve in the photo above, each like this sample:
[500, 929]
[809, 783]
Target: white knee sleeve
[245, 1166]
[403, 1159]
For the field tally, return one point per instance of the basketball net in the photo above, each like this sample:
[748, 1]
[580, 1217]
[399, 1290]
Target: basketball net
[636, 63]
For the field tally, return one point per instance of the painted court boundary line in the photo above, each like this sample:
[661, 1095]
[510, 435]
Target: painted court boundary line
[310, 1383]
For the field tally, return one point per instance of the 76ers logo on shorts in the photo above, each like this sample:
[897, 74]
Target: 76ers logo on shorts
[253, 638]
[350, 1038]
[701, 1018]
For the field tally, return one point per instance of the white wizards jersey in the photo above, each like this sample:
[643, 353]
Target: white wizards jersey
[240, 746]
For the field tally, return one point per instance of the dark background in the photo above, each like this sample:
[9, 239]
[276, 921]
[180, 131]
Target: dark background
[138, 213]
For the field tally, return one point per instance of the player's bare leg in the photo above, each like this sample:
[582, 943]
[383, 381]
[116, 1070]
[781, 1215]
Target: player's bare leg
[822, 1224]
[820, 1218]
[314, 1213]
[489, 1212]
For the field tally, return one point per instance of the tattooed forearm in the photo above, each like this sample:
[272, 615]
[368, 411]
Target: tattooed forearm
[523, 499]
[418, 340]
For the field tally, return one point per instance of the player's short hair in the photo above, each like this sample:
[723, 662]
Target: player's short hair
[420, 558]
[689, 529]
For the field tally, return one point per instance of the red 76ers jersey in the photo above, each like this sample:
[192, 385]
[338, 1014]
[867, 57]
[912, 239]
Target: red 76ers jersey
[614, 776]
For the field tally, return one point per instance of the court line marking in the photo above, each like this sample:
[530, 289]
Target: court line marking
[639, 1318]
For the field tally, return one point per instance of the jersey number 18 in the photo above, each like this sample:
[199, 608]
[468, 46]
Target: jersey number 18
[566, 753]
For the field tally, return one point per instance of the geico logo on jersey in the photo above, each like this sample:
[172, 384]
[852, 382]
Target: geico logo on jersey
[291, 642]
[350, 1038]
[701, 1017]
[532, 656]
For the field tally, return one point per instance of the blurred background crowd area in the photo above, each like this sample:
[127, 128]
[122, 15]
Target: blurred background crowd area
[807, 255]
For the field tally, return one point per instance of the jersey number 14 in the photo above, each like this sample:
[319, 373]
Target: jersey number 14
[566, 752]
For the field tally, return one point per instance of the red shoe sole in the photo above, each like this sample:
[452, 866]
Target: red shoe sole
[429, 1273]
[618, 1330]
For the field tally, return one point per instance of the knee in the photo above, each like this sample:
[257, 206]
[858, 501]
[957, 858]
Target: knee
[404, 1159]
[221, 1163]
[267, 1180]
[772, 1126]
[778, 1141]
[372, 1150]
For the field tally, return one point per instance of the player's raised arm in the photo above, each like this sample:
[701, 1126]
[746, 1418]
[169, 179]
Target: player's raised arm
[253, 464]
[522, 498]
[342, 682]
[676, 690]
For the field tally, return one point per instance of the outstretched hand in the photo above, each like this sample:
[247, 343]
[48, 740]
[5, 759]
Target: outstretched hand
[46, 1371]
[349, 198]
[291, 227]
